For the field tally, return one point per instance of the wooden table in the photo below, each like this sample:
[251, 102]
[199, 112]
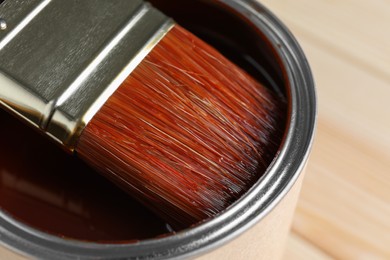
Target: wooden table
[344, 209]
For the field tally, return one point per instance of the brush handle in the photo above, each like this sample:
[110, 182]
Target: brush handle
[61, 60]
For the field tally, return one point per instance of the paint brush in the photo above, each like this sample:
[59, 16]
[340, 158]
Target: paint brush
[146, 103]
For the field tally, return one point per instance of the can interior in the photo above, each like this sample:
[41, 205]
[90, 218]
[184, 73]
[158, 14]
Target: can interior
[50, 191]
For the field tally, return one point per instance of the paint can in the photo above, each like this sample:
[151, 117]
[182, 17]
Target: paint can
[256, 226]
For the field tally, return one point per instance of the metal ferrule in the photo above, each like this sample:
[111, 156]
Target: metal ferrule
[61, 60]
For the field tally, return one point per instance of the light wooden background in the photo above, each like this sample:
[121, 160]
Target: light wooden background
[344, 209]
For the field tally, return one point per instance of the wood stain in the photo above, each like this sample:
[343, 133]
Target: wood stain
[47, 189]
[51, 191]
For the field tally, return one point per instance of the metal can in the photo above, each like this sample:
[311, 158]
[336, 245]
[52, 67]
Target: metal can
[256, 226]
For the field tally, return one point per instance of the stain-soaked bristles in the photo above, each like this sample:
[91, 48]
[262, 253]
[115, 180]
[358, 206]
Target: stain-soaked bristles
[187, 132]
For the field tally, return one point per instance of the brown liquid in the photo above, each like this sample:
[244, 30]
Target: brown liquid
[45, 188]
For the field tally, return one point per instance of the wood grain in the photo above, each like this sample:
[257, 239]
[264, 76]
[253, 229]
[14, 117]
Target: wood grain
[344, 210]
[299, 248]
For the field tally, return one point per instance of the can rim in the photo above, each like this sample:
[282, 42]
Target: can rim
[250, 209]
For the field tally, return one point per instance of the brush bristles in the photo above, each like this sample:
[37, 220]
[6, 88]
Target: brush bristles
[187, 132]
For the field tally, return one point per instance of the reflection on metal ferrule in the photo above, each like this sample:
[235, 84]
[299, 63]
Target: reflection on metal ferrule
[61, 60]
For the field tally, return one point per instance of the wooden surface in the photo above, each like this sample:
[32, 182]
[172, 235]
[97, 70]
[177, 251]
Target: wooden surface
[344, 208]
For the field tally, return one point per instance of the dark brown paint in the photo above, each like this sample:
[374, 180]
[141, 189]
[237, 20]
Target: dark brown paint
[50, 190]
[44, 188]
